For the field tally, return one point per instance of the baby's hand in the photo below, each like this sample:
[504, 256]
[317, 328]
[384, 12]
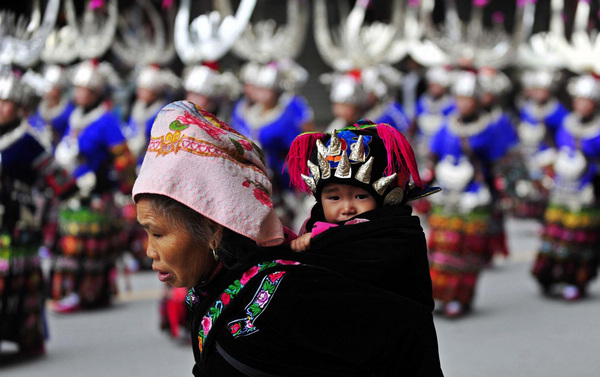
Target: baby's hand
[301, 243]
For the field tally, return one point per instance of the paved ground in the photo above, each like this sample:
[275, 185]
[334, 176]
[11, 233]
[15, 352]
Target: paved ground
[513, 331]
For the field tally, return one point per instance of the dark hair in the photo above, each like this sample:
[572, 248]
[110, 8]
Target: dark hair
[233, 249]
[179, 214]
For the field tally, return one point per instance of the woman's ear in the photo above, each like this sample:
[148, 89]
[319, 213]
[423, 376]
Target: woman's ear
[217, 231]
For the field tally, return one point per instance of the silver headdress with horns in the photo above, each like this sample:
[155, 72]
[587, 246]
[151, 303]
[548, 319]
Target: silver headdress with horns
[539, 50]
[582, 52]
[88, 37]
[264, 41]
[353, 45]
[210, 36]
[20, 42]
[144, 37]
[270, 49]
[470, 43]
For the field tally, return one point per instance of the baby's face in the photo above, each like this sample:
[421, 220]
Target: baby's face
[342, 202]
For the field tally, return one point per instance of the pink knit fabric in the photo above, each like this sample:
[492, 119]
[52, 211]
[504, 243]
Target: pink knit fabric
[198, 160]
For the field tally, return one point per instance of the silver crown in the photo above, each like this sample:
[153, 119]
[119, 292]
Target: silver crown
[323, 171]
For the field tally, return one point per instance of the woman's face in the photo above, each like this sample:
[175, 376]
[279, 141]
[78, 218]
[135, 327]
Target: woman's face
[201, 100]
[85, 96]
[177, 257]
[585, 107]
[9, 111]
[349, 113]
[265, 96]
[467, 106]
[148, 96]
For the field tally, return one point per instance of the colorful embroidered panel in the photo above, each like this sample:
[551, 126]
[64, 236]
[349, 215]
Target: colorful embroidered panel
[245, 326]
[253, 310]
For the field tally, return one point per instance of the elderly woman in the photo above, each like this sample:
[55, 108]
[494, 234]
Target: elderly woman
[258, 309]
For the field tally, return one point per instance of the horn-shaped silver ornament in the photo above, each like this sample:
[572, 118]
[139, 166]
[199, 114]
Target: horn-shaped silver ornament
[324, 165]
[470, 42]
[95, 33]
[358, 150]
[352, 44]
[335, 146]
[382, 183]
[343, 170]
[209, 37]
[363, 174]
[310, 182]
[22, 44]
[314, 171]
[321, 148]
[265, 41]
[145, 43]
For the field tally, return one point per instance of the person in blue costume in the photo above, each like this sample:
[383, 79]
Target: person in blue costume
[276, 116]
[152, 86]
[56, 105]
[540, 117]
[95, 151]
[382, 82]
[463, 151]
[568, 257]
[26, 166]
[432, 107]
[495, 87]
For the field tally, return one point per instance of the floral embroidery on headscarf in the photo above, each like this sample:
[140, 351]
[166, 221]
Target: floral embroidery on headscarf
[260, 193]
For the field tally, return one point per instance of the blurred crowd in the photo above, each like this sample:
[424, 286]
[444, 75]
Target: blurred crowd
[501, 104]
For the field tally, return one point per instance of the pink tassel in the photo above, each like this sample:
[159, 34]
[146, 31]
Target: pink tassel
[167, 4]
[399, 149]
[299, 153]
[95, 4]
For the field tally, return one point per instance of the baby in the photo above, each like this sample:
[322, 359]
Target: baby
[340, 202]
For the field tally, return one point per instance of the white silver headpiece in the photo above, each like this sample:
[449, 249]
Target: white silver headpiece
[493, 81]
[585, 86]
[56, 76]
[466, 84]
[15, 88]
[157, 79]
[470, 43]
[144, 37]
[211, 83]
[11, 88]
[345, 88]
[439, 75]
[95, 75]
[545, 78]
[284, 75]
[21, 42]
[85, 37]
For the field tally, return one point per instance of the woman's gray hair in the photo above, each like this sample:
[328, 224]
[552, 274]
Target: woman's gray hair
[199, 226]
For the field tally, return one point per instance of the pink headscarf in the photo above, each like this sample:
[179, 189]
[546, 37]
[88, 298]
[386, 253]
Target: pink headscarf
[201, 162]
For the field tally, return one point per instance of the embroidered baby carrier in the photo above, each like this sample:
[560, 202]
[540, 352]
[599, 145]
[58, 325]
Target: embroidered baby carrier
[271, 272]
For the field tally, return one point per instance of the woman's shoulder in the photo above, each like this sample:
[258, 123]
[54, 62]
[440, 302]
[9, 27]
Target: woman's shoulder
[292, 314]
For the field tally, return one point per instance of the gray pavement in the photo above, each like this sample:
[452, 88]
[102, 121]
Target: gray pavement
[512, 332]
